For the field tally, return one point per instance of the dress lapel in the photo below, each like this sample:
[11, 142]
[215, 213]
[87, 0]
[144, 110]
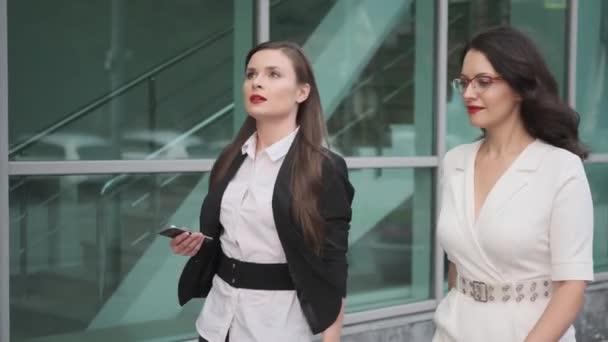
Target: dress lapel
[469, 184]
[514, 180]
[458, 187]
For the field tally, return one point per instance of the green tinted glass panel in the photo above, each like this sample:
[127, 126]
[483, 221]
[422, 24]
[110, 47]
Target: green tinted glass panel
[124, 79]
[374, 69]
[390, 238]
[597, 175]
[592, 73]
[86, 262]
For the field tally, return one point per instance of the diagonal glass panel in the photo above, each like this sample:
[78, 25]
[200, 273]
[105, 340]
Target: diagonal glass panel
[374, 69]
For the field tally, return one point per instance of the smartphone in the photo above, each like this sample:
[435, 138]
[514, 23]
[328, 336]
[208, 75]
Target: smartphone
[172, 231]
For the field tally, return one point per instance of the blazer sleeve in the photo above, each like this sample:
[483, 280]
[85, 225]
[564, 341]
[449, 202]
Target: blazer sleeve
[571, 227]
[335, 208]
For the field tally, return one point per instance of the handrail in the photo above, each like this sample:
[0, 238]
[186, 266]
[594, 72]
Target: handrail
[117, 180]
[111, 95]
[117, 92]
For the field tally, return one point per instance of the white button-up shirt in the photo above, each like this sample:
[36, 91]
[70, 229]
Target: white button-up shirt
[250, 235]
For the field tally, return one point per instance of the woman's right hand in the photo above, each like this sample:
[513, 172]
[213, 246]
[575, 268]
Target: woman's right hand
[187, 243]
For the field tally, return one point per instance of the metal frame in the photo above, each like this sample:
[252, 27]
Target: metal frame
[90, 167]
[393, 311]
[262, 21]
[4, 174]
[571, 43]
[108, 167]
[390, 162]
[601, 277]
[597, 158]
[441, 65]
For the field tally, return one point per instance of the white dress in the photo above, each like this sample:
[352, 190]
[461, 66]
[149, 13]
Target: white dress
[536, 223]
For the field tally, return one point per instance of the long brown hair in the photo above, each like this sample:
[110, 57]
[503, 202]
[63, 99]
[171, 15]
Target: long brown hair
[309, 153]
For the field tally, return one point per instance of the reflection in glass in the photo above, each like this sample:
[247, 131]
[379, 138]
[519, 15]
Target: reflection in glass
[390, 238]
[377, 90]
[592, 74]
[120, 79]
[597, 175]
[86, 262]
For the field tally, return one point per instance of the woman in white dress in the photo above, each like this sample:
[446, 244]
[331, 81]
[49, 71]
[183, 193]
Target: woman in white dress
[516, 216]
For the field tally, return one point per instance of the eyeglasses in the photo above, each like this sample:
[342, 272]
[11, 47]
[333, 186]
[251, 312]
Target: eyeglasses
[480, 83]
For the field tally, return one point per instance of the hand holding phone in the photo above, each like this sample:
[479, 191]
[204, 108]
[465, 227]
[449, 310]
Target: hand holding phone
[172, 231]
[184, 244]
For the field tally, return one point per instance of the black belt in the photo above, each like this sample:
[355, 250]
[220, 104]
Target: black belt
[253, 276]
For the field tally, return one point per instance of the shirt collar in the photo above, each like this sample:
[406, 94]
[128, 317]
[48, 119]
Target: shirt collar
[275, 151]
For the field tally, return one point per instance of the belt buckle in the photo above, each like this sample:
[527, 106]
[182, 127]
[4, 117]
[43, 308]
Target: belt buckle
[480, 291]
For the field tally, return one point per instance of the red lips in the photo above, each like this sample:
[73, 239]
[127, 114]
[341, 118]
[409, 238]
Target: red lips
[255, 99]
[473, 109]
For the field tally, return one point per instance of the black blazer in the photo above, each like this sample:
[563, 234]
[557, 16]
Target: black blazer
[320, 280]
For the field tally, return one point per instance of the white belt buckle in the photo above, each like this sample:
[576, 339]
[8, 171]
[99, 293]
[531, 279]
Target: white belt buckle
[480, 291]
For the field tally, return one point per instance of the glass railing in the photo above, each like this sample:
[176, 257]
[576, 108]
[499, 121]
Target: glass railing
[146, 113]
[74, 268]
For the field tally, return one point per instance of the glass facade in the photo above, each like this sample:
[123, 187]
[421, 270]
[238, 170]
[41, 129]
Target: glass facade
[377, 91]
[144, 87]
[591, 97]
[86, 262]
[592, 73]
[143, 80]
[390, 238]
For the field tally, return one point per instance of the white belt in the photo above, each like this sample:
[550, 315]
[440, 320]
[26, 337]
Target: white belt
[518, 291]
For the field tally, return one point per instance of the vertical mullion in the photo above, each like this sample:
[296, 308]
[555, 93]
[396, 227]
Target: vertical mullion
[244, 38]
[262, 21]
[4, 209]
[441, 62]
[571, 41]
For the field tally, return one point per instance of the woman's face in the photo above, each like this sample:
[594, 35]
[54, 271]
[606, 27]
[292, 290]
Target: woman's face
[489, 99]
[271, 89]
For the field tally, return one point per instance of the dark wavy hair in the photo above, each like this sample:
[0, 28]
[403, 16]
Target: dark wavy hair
[309, 153]
[519, 62]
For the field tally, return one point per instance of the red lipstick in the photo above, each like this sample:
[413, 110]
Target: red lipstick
[255, 99]
[473, 109]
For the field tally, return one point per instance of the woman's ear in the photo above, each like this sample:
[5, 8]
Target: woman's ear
[303, 92]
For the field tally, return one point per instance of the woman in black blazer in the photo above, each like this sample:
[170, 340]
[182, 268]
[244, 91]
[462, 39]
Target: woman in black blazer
[308, 212]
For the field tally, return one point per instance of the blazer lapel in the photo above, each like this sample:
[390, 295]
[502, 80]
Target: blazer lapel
[281, 196]
[210, 210]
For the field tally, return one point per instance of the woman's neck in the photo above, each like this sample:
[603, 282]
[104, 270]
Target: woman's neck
[271, 131]
[508, 139]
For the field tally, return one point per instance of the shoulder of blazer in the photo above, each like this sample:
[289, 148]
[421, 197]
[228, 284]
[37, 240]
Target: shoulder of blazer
[333, 168]
[336, 170]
